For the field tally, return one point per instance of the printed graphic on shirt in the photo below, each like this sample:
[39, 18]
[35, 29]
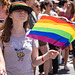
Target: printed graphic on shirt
[20, 54]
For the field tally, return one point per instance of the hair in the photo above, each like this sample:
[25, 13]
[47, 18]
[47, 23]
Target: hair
[42, 6]
[62, 2]
[24, 1]
[73, 7]
[4, 3]
[47, 2]
[6, 29]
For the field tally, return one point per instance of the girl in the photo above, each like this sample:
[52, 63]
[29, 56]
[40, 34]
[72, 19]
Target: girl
[20, 51]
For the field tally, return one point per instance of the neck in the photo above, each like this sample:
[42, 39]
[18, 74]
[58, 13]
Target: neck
[47, 12]
[17, 28]
[37, 14]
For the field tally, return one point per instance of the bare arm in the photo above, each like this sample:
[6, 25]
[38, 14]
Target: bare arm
[37, 60]
[2, 64]
[1, 58]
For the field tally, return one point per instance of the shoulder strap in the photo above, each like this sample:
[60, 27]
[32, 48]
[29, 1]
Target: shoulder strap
[3, 49]
[34, 18]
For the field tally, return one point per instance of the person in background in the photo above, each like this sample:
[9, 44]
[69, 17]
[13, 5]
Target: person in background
[73, 45]
[63, 6]
[42, 45]
[36, 9]
[41, 6]
[55, 6]
[48, 7]
[69, 14]
[19, 50]
[4, 5]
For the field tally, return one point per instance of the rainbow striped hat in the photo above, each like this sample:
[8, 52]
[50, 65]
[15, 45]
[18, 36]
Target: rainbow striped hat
[19, 5]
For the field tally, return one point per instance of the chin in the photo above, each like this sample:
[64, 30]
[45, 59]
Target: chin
[23, 20]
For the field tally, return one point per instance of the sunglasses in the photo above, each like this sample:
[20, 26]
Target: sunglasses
[69, 5]
[37, 6]
[50, 5]
[1, 20]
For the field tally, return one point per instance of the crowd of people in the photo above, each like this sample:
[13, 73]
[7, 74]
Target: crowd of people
[19, 54]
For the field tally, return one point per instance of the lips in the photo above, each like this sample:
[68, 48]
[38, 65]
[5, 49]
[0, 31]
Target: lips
[22, 15]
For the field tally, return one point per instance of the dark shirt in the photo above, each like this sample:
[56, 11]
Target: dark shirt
[32, 21]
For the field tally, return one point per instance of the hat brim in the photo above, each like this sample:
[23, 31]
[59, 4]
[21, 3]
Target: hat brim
[26, 8]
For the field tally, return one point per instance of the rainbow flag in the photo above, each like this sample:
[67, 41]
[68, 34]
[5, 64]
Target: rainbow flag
[72, 20]
[54, 31]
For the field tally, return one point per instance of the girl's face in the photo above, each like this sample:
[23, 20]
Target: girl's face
[69, 6]
[36, 7]
[19, 15]
[49, 6]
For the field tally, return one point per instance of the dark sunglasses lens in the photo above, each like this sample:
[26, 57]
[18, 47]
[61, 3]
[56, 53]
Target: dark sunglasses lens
[50, 5]
[37, 6]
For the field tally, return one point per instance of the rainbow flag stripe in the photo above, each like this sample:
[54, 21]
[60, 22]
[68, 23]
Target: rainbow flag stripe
[72, 20]
[53, 30]
[18, 3]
